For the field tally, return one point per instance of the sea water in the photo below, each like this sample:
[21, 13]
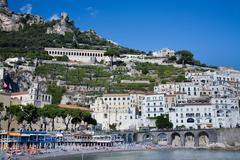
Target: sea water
[170, 154]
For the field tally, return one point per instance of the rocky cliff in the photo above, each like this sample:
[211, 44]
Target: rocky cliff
[10, 21]
[61, 26]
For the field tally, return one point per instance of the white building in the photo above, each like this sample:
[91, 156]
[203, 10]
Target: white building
[193, 116]
[153, 106]
[115, 109]
[132, 56]
[128, 111]
[164, 52]
[79, 55]
[218, 113]
[34, 96]
[23, 97]
[227, 112]
[191, 89]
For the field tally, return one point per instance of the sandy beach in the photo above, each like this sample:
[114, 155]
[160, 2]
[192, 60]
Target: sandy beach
[69, 150]
[77, 150]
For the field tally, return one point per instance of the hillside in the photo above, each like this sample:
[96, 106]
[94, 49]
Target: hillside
[23, 38]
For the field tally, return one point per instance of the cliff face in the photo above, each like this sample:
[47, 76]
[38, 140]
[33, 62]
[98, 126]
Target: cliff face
[13, 22]
[61, 26]
[10, 21]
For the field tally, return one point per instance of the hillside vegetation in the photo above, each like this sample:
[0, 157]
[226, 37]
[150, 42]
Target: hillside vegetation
[30, 41]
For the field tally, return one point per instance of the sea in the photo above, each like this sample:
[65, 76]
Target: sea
[165, 154]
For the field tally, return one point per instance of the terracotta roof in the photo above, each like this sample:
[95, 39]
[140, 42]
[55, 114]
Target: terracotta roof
[19, 93]
[72, 106]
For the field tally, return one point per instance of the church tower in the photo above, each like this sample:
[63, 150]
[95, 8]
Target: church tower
[3, 4]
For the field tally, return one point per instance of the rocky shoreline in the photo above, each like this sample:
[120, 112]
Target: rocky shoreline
[224, 146]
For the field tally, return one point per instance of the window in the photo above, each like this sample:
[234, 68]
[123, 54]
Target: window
[105, 115]
[190, 120]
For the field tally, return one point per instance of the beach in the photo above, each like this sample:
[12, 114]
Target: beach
[78, 150]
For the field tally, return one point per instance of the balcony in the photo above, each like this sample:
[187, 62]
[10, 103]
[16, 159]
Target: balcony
[155, 111]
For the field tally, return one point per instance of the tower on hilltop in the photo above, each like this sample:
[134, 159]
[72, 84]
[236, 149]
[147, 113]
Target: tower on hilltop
[3, 4]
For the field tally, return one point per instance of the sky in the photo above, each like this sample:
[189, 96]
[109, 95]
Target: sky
[208, 28]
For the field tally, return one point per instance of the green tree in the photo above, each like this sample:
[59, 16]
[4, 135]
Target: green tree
[13, 112]
[51, 112]
[171, 59]
[30, 114]
[93, 122]
[162, 122]
[185, 57]
[113, 126]
[62, 58]
[43, 113]
[76, 118]
[67, 115]
[112, 52]
[56, 92]
[180, 78]
[88, 118]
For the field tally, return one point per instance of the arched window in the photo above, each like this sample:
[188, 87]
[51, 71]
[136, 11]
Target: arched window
[190, 120]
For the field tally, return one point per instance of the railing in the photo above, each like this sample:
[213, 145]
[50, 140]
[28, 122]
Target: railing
[154, 111]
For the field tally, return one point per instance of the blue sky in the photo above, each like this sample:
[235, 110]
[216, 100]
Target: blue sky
[208, 28]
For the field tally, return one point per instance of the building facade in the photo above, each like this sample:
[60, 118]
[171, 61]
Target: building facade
[164, 52]
[79, 55]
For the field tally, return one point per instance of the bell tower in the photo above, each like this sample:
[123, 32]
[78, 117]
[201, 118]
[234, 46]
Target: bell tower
[3, 4]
